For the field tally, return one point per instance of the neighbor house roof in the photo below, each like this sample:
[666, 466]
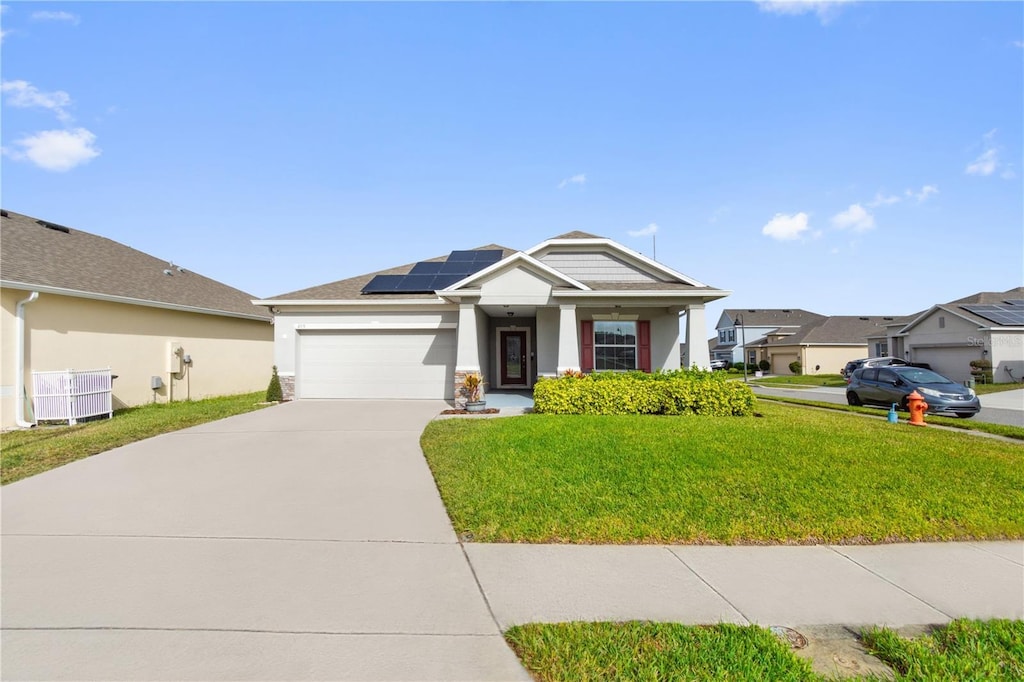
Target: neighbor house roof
[576, 234]
[835, 330]
[773, 317]
[40, 255]
[957, 307]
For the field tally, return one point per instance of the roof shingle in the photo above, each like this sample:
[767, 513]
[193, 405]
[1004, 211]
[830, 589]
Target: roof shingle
[34, 254]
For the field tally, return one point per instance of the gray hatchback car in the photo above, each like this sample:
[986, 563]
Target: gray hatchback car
[888, 385]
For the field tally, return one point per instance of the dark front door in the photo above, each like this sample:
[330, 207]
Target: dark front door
[513, 359]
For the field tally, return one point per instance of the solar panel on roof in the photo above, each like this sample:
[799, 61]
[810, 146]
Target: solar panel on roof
[426, 268]
[383, 284]
[1004, 315]
[427, 276]
[1015, 301]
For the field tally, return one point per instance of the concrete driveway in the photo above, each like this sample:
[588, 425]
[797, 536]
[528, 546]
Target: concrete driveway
[305, 541]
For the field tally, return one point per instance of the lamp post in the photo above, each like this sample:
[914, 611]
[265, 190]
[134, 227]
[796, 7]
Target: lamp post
[743, 341]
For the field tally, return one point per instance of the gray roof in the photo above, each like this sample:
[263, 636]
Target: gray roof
[576, 234]
[838, 329]
[351, 288]
[983, 298]
[64, 258]
[773, 317]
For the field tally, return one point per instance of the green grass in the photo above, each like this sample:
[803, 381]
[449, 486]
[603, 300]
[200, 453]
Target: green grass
[653, 651]
[963, 650]
[798, 381]
[33, 451]
[791, 476]
[982, 389]
[1004, 430]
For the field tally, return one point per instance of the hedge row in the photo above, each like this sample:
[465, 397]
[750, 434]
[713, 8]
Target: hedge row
[682, 392]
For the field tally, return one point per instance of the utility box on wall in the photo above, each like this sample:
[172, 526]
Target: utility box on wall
[175, 351]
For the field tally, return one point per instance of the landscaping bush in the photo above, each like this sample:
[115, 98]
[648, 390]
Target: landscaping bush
[274, 393]
[981, 370]
[796, 368]
[764, 366]
[672, 393]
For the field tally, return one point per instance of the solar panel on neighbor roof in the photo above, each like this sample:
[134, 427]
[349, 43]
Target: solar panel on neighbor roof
[1005, 315]
[1015, 301]
[427, 276]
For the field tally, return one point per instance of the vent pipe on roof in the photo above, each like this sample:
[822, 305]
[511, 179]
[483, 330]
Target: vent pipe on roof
[19, 368]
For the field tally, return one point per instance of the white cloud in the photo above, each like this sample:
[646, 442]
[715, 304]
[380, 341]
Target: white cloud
[988, 162]
[925, 192]
[985, 164]
[645, 232]
[884, 200]
[56, 150]
[786, 227]
[24, 95]
[827, 10]
[56, 16]
[580, 179]
[856, 218]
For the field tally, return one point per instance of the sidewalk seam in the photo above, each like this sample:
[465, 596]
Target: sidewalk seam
[710, 586]
[480, 587]
[884, 579]
[981, 546]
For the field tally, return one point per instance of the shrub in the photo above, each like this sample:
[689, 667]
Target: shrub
[764, 366]
[473, 383]
[796, 368]
[672, 393]
[274, 393]
[982, 369]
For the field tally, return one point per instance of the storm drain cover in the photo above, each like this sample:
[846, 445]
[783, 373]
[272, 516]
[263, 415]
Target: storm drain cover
[790, 636]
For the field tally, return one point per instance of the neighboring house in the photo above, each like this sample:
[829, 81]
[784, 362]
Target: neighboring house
[948, 336]
[738, 328]
[85, 302]
[822, 347]
[575, 302]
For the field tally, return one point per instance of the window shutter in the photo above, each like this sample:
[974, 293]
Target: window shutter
[587, 346]
[643, 342]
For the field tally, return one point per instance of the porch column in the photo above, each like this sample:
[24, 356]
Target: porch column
[568, 339]
[468, 353]
[467, 358]
[699, 357]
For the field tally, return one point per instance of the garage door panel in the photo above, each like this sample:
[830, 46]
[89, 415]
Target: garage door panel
[954, 363]
[394, 364]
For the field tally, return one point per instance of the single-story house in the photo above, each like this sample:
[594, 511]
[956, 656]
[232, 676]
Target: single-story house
[948, 336]
[575, 302]
[75, 300]
[738, 328]
[821, 347]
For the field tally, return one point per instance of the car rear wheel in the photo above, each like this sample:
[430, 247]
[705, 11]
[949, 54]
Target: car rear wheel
[904, 405]
[853, 399]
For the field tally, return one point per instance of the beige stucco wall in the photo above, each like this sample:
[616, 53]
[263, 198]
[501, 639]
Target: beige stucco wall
[230, 355]
[831, 358]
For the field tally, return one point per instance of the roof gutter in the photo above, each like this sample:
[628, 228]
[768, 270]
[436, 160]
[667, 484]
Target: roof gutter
[19, 367]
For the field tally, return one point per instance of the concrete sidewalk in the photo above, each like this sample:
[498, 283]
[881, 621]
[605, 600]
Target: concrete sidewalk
[895, 585]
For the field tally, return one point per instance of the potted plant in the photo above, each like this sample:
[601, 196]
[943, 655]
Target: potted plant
[474, 384]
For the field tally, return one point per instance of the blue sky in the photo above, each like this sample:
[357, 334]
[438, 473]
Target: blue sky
[849, 158]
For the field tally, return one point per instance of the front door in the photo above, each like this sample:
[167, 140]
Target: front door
[512, 345]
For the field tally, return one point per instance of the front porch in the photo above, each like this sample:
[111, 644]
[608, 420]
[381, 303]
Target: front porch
[512, 345]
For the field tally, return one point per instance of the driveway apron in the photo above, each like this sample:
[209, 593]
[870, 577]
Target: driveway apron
[304, 541]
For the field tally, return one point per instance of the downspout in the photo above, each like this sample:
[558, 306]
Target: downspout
[19, 370]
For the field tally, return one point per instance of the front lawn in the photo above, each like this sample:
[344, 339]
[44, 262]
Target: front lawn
[653, 651]
[962, 650]
[792, 475]
[796, 381]
[33, 451]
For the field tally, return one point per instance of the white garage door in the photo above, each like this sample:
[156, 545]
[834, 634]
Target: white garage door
[376, 364]
[954, 363]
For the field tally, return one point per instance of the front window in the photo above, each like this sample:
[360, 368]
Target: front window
[732, 336]
[614, 345]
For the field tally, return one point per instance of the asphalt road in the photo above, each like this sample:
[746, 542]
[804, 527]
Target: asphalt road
[994, 415]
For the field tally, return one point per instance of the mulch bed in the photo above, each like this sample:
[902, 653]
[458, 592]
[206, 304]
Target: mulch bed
[489, 410]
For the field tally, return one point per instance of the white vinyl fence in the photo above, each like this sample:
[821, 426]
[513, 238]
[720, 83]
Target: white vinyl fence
[71, 395]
